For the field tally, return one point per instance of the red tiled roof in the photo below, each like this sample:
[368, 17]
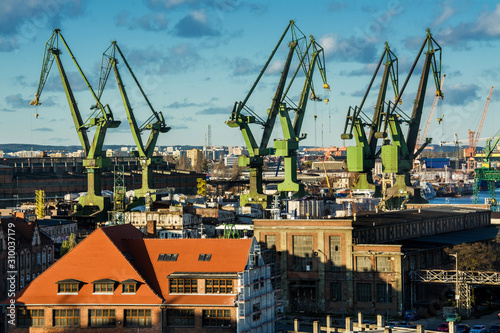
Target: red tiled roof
[119, 253]
[96, 257]
[228, 256]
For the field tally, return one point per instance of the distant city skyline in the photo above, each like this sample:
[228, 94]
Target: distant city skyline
[194, 59]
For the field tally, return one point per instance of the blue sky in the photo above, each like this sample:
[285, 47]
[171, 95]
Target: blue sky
[196, 58]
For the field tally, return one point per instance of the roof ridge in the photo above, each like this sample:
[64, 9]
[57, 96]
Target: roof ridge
[131, 265]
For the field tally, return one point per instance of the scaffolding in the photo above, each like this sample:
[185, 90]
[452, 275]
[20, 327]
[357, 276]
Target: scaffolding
[117, 216]
[40, 203]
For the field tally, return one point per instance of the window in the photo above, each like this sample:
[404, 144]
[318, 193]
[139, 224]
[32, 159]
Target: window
[138, 318]
[129, 288]
[38, 259]
[363, 264]
[104, 287]
[384, 264]
[183, 285]
[44, 257]
[216, 286]
[168, 257]
[216, 318]
[67, 317]
[336, 291]
[102, 318]
[335, 254]
[180, 317]
[49, 255]
[28, 261]
[302, 253]
[383, 293]
[67, 288]
[205, 257]
[28, 318]
[364, 292]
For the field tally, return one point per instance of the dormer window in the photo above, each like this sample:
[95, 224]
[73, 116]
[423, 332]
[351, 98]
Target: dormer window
[205, 257]
[68, 286]
[129, 286]
[104, 286]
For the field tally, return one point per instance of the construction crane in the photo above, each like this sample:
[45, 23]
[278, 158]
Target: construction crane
[398, 156]
[361, 158]
[488, 174]
[473, 139]
[288, 146]
[101, 118]
[257, 151]
[155, 124]
[423, 137]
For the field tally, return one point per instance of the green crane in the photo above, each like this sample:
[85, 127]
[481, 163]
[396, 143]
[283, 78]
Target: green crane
[155, 123]
[287, 147]
[398, 157]
[101, 118]
[257, 151]
[488, 174]
[361, 158]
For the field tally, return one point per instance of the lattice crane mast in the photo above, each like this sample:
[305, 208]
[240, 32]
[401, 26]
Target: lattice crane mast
[101, 118]
[398, 157]
[473, 140]
[423, 136]
[155, 124]
[361, 158]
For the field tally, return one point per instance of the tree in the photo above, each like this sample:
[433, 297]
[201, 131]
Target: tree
[479, 256]
[235, 175]
[67, 245]
[183, 163]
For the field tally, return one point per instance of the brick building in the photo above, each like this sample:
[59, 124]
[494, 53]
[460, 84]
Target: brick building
[362, 263]
[116, 280]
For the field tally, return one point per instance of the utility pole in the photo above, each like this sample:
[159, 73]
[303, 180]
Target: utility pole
[457, 291]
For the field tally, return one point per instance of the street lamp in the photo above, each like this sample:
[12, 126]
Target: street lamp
[457, 293]
[387, 298]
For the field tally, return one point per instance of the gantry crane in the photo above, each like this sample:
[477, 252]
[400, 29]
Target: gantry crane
[361, 158]
[398, 157]
[488, 174]
[473, 139]
[288, 146]
[255, 161]
[155, 123]
[101, 118]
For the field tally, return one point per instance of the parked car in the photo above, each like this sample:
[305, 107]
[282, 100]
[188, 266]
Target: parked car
[411, 315]
[462, 328]
[493, 329]
[498, 315]
[454, 317]
[407, 324]
[443, 327]
[478, 329]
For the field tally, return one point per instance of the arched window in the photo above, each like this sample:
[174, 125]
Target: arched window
[49, 255]
[38, 259]
[28, 260]
[44, 257]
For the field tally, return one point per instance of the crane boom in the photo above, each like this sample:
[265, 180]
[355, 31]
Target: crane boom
[431, 114]
[483, 117]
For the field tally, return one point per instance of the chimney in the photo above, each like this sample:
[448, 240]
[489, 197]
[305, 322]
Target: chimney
[151, 228]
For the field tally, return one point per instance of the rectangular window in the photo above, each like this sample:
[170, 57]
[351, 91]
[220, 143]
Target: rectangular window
[335, 254]
[68, 288]
[302, 253]
[336, 291]
[66, 317]
[216, 318]
[29, 318]
[102, 318]
[363, 264]
[218, 286]
[129, 288]
[384, 264]
[384, 293]
[168, 256]
[104, 287]
[138, 318]
[180, 317]
[188, 286]
[364, 292]
[205, 257]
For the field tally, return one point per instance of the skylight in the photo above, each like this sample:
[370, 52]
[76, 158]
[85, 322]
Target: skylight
[168, 257]
[205, 257]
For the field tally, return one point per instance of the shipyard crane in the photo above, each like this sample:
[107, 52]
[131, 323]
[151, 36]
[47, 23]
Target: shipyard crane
[242, 116]
[488, 174]
[398, 157]
[155, 123]
[361, 158]
[101, 118]
[438, 97]
[473, 139]
[287, 147]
